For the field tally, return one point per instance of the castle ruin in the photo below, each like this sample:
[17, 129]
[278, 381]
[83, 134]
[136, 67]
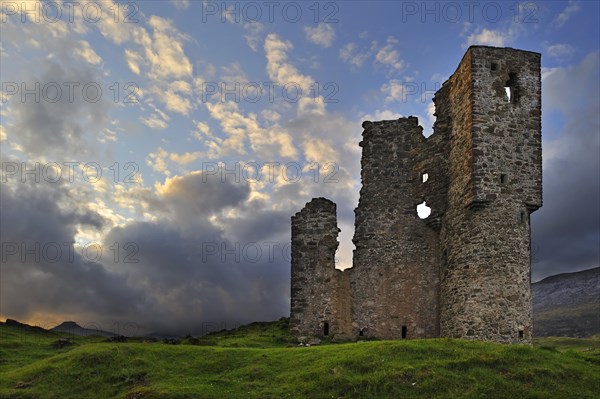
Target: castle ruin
[462, 272]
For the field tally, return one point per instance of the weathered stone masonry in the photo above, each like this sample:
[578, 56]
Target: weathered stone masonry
[462, 272]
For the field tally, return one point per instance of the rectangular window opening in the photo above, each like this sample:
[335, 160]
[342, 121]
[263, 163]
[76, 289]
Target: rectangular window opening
[425, 177]
[510, 88]
[404, 331]
[507, 91]
[520, 334]
[503, 178]
[326, 329]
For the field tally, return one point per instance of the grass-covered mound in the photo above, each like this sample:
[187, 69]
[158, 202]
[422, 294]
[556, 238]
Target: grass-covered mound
[257, 361]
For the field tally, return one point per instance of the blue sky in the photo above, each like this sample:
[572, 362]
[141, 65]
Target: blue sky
[162, 124]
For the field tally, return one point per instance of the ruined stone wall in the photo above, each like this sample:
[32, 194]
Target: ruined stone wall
[462, 272]
[394, 278]
[485, 280]
[433, 158]
[320, 303]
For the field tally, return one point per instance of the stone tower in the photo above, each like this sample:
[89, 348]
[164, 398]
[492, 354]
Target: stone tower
[464, 271]
[495, 176]
[318, 288]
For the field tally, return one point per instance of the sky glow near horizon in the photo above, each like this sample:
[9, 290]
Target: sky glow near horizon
[154, 152]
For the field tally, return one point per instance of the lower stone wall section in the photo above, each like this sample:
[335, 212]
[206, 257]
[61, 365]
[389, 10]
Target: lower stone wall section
[316, 308]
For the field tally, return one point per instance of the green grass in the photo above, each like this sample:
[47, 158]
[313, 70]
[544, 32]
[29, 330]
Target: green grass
[255, 362]
[580, 320]
[255, 335]
[562, 344]
[20, 347]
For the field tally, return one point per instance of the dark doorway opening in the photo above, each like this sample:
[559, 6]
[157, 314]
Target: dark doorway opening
[520, 334]
[404, 331]
[326, 329]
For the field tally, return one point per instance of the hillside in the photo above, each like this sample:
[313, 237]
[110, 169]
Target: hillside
[260, 361]
[567, 304]
[70, 327]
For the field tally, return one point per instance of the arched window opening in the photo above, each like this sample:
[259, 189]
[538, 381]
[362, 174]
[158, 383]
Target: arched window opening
[423, 211]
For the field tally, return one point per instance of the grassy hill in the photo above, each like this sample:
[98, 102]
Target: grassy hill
[567, 304]
[580, 320]
[260, 361]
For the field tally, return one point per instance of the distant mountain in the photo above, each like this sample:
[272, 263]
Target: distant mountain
[567, 304]
[70, 327]
[23, 326]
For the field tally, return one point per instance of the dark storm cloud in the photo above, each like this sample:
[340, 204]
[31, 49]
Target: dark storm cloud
[566, 230]
[199, 272]
[261, 222]
[58, 279]
[203, 279]
[196, 196]
[177, 274]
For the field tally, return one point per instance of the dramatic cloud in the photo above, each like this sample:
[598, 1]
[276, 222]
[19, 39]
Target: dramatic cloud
[185, 244]
[173, 274]
[565, 230]
[195, 270]
[54, 278]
